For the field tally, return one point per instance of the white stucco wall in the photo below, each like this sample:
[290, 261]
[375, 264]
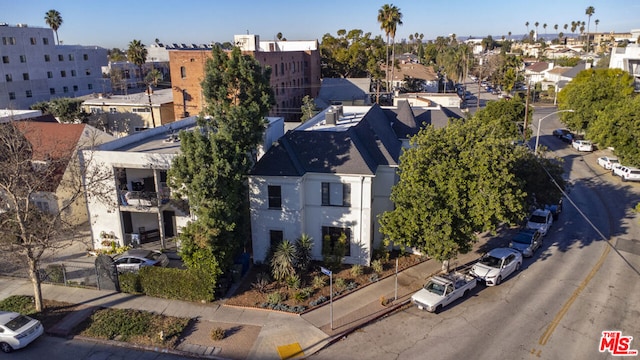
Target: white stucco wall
[104, 213]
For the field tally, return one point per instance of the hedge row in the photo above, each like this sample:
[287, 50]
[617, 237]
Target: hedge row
[169, 283]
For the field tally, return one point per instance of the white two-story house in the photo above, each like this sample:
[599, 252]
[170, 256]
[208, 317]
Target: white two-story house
[136, 205]
[332, 176]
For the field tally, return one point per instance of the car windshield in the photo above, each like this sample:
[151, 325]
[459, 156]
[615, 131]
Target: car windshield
[614, 161]
[437, 289]
[538, 219]
[522, 239]
[18, 322]
[490, 261]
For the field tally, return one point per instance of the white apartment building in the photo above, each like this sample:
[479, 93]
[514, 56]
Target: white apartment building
[34, 69]
[140, 208]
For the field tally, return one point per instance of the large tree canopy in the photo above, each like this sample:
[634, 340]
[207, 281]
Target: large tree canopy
[466, 178]
[351, 54]
[212, 167]
[618, 126]
[454, 182]
[591, 92]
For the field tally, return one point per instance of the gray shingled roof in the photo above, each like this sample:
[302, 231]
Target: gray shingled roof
[374, 141]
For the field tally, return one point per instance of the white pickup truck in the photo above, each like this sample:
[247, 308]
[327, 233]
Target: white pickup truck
[442, 290]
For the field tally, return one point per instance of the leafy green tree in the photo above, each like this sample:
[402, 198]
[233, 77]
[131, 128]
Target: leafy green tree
[213, 164]
[617, 126]
[116, 55]
[54, 20]
[67, 110]
[412, 85]
[590, 92]
[308, 108]
[351, 54]
[454, 182]
[137, 54]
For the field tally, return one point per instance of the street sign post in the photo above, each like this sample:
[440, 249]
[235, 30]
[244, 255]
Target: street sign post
[330, 274]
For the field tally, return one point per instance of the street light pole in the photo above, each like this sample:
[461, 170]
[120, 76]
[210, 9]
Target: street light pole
[540, 121]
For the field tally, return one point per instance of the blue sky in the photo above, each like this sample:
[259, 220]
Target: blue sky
[115, 23]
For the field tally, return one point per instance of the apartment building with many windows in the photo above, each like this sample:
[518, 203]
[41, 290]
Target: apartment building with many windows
[34, 69]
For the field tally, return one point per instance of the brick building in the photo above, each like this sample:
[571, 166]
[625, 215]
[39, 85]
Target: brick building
[295, 73]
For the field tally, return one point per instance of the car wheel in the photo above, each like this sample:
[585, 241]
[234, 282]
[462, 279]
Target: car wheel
[517, 266]
[6, 348]
[438, 309]
[623, 179]
[466, 293]
[498, 280]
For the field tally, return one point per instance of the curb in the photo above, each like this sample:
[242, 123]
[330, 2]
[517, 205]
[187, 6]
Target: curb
[157, 349]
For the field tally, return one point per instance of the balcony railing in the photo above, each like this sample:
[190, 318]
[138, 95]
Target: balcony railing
[142, 198]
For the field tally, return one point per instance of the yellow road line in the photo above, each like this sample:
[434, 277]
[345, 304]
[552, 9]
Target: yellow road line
[556, 320]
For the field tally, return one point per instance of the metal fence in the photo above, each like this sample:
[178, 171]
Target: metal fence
[69, 275]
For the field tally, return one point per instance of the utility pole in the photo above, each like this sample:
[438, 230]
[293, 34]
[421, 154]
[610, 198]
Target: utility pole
[526, 114]
[153, 118]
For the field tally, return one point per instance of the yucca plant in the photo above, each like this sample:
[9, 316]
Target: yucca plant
[303, 245]
[283, 260]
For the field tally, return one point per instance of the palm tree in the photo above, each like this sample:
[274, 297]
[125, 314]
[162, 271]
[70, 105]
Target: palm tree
[574, 26]
[555, 27]
[566, 26]
[589, 11]
[509, 35]
[389, 17]
[544, 26]
[137, 54]
[54, 20]
[527, 25]
[597, 22]
[536, 25]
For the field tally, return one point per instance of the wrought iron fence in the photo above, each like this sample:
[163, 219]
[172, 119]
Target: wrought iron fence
[69, 275]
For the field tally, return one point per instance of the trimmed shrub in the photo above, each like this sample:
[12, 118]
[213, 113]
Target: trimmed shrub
[130, 283]
[170, 283]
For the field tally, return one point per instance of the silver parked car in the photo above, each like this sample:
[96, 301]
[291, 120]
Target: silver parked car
[133, 260]
[496, 265]
[17, 331]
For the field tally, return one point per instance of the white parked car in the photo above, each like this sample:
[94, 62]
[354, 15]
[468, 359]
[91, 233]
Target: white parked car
[541, 220]
[616, 169]
[496, 265]
[607, 162]
[629, 174]
[17, 331]
[582, 145]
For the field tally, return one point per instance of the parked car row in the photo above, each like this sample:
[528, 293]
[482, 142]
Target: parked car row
[626, 173]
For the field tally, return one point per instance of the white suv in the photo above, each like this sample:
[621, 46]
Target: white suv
[629, 174]
[540, 220]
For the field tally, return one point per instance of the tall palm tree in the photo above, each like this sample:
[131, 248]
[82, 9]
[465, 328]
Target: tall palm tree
[597, 22]
[527, 25]
[137, 54]
[389, 17]
[544, 26]
[574, 26]
[566, 26]
[589, 11]
[54, 20]
[536, 25]
[555, 27]
[509, 35]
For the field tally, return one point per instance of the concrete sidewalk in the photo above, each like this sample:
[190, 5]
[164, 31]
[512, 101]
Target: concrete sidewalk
[280, 335]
